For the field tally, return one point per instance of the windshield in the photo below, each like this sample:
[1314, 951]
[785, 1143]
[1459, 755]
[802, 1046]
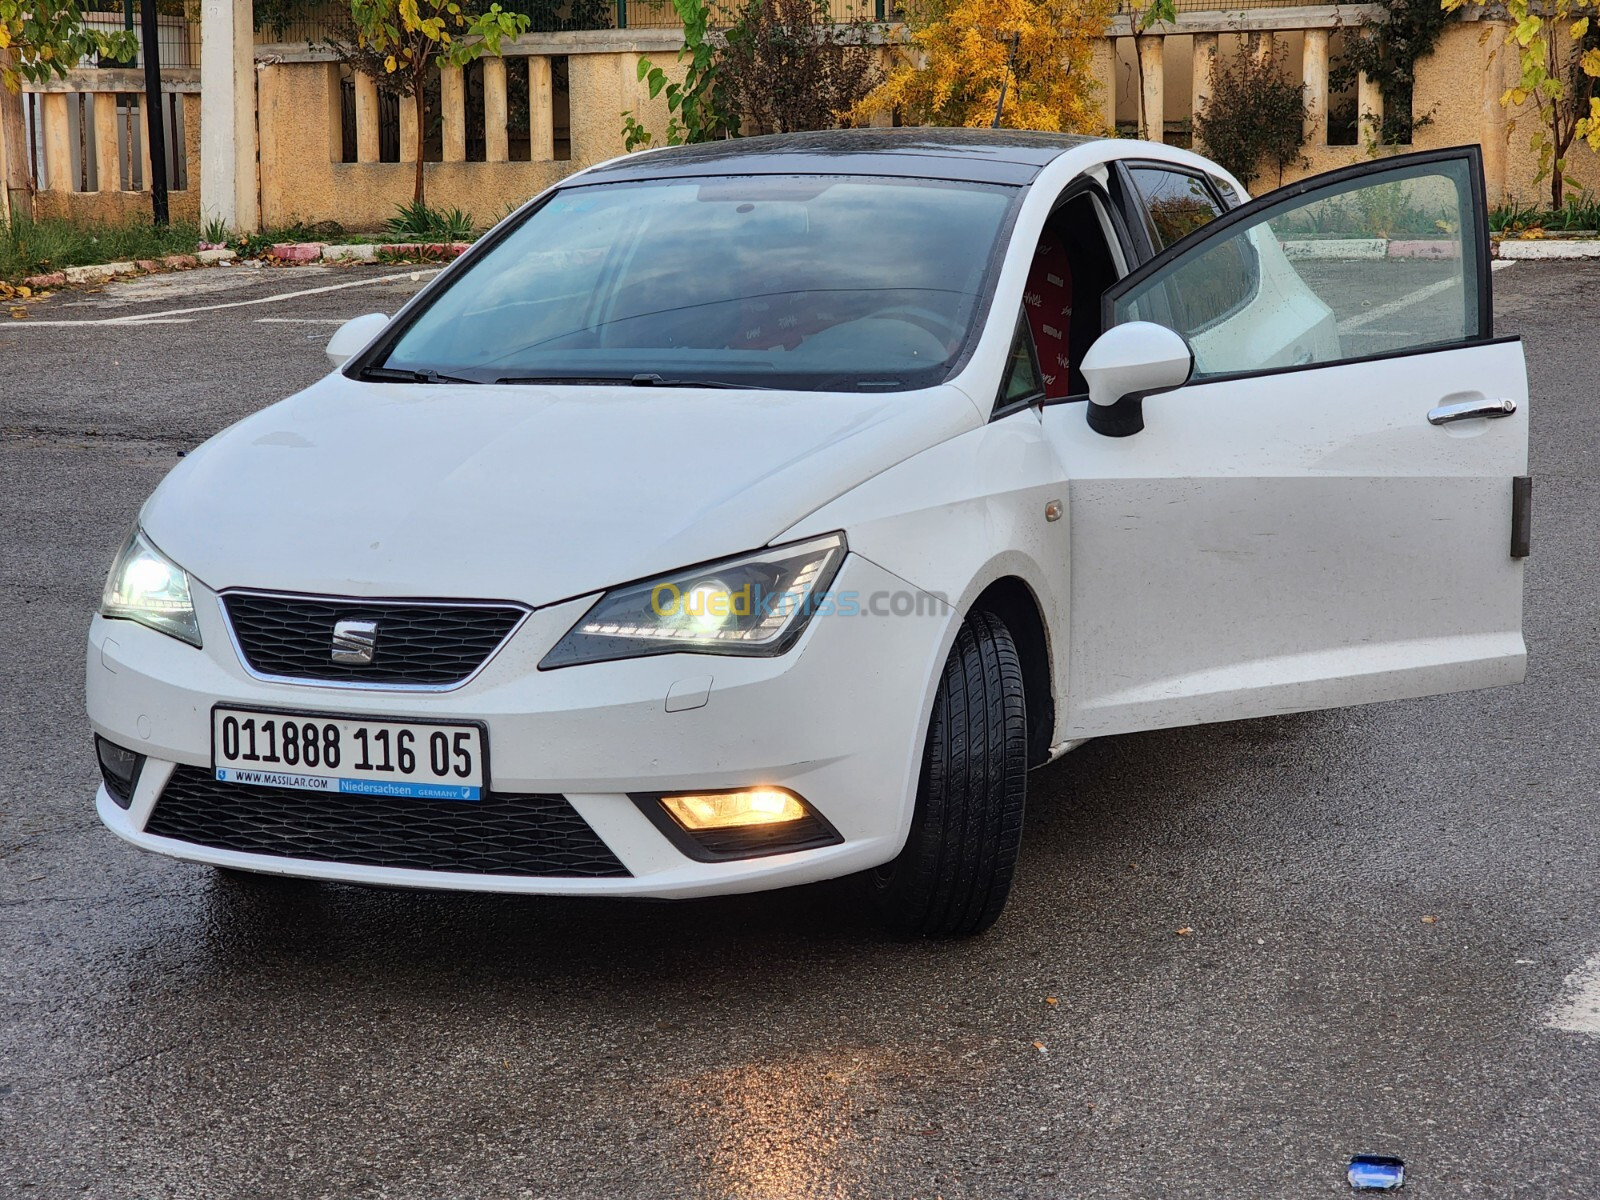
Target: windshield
[802, 282]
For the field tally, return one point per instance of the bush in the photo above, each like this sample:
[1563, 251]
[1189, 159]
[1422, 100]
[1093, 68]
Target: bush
[790, 68]
[416, 222]
[1256, 115]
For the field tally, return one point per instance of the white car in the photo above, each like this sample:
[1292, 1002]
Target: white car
[748, 514]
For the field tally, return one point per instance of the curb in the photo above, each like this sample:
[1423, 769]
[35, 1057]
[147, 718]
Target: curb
[296, 253]
[1537, 248]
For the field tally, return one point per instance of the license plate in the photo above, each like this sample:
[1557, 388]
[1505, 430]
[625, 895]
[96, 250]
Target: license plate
[418, 760]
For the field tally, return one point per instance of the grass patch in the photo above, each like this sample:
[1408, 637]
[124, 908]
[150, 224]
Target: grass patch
[1580, 213]
[35, 247]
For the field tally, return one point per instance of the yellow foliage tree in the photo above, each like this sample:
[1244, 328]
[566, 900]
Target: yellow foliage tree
[1039, 51]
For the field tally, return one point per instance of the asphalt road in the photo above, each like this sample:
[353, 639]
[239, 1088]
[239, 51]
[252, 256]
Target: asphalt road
[166, 1034]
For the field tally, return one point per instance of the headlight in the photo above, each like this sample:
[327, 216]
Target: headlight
[148, 587]
[757, 604]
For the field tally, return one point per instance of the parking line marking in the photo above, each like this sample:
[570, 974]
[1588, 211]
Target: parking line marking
[1394, 306]
[172, 315]
[300, 320]
[1578, 1010]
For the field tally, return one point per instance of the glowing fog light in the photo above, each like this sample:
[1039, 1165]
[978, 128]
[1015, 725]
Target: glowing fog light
[735, 810]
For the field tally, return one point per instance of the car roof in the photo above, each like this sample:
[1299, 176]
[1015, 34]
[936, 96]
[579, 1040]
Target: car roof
[1012, 156]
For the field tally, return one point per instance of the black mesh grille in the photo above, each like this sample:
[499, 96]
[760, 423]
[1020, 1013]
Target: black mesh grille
[503, 834]
[416, 643]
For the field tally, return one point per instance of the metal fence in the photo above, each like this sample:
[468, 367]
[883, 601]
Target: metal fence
[178, 44]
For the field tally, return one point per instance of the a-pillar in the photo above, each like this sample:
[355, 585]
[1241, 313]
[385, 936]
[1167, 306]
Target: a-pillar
[228, 114]
[1314, 74]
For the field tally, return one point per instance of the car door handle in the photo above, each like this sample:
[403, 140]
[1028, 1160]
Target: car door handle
[1468, 409]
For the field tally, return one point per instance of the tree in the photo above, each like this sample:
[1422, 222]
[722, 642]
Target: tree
[40, 39]
[1256, 113]
[701, 108]
[1559, 64]
[400, 42]
[1038, 51]
[791, 68]
[44, 38]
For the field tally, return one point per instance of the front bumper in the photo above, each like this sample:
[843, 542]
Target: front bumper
[839, 719]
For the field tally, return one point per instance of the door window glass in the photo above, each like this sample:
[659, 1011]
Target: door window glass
[1382, 262]
[1175, 204]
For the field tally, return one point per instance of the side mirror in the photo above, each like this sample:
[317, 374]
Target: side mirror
[354, 336]
[1126, 364]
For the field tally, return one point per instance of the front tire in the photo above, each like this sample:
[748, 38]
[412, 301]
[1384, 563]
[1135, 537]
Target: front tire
[953, 876]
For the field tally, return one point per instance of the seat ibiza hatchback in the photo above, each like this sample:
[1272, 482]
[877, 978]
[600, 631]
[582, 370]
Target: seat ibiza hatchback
[747, 514]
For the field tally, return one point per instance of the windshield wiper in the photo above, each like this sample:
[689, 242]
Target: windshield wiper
[399, 375]
[648, 379]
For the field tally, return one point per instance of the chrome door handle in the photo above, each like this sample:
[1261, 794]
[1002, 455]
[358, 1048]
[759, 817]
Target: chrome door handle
[1468, 409]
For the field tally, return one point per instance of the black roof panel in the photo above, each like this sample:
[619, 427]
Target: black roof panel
[981, 155]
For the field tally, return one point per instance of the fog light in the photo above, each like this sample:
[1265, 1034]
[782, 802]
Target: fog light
[119, 768]
[734, 810]
[743, 823]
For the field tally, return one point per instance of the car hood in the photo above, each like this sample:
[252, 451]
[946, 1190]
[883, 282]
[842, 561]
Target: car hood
[520, 493]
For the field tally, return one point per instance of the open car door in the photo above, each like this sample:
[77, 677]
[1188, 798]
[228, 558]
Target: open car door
[1332, 510]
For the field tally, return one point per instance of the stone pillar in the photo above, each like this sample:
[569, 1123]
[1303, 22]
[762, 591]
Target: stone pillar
[228, 115]
[1204, 63]
[1153, 111]
[366, 118]
[494, 110]
[107, 155]
[1369, 104]
[452, 114]
[410, 144]
[143, 131]
[1494, 119]
[57, 141]
[541, 110]
[1314, 73]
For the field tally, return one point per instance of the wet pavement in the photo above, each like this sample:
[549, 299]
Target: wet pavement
[1384, 904]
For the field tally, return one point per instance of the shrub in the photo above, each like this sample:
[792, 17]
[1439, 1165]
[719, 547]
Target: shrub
[790, 68]
[416, 222]
[1255, 116]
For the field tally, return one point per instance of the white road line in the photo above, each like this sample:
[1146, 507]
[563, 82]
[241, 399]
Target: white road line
[1578, 1010]
[300, 320]
[1394, 306]
[25, 322]
[171, 315]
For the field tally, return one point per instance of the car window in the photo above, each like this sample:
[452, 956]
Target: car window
[1175, 203]
[1021, 381]
[792, 281]
[1379, 263]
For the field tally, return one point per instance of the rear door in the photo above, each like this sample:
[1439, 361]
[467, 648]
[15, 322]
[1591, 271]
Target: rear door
[1324, 514]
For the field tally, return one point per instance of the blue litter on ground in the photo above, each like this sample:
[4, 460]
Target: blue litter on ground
[1375, 1173]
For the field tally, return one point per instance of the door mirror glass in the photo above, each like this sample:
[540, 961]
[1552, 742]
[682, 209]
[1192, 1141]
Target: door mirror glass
[1379, 259]
[354, 336]
[1126, 364]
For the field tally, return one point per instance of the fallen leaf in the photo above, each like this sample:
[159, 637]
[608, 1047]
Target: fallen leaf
[1051, 1000]
[18, 312]
[1185, 931]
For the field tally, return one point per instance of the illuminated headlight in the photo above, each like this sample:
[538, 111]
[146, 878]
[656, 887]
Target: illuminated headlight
[148, 587]
[757, 604]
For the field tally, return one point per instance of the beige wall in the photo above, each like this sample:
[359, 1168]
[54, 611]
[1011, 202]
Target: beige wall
[302, 178]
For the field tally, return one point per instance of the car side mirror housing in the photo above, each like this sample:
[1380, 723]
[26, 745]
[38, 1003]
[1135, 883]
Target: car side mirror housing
[354, 336]
[1126, 364]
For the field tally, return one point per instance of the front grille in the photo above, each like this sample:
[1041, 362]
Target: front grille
[505, 833]
[419, 644]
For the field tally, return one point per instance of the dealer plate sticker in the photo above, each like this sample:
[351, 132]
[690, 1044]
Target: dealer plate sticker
[417, 760]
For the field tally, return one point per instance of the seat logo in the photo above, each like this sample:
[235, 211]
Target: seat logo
[354, 642]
